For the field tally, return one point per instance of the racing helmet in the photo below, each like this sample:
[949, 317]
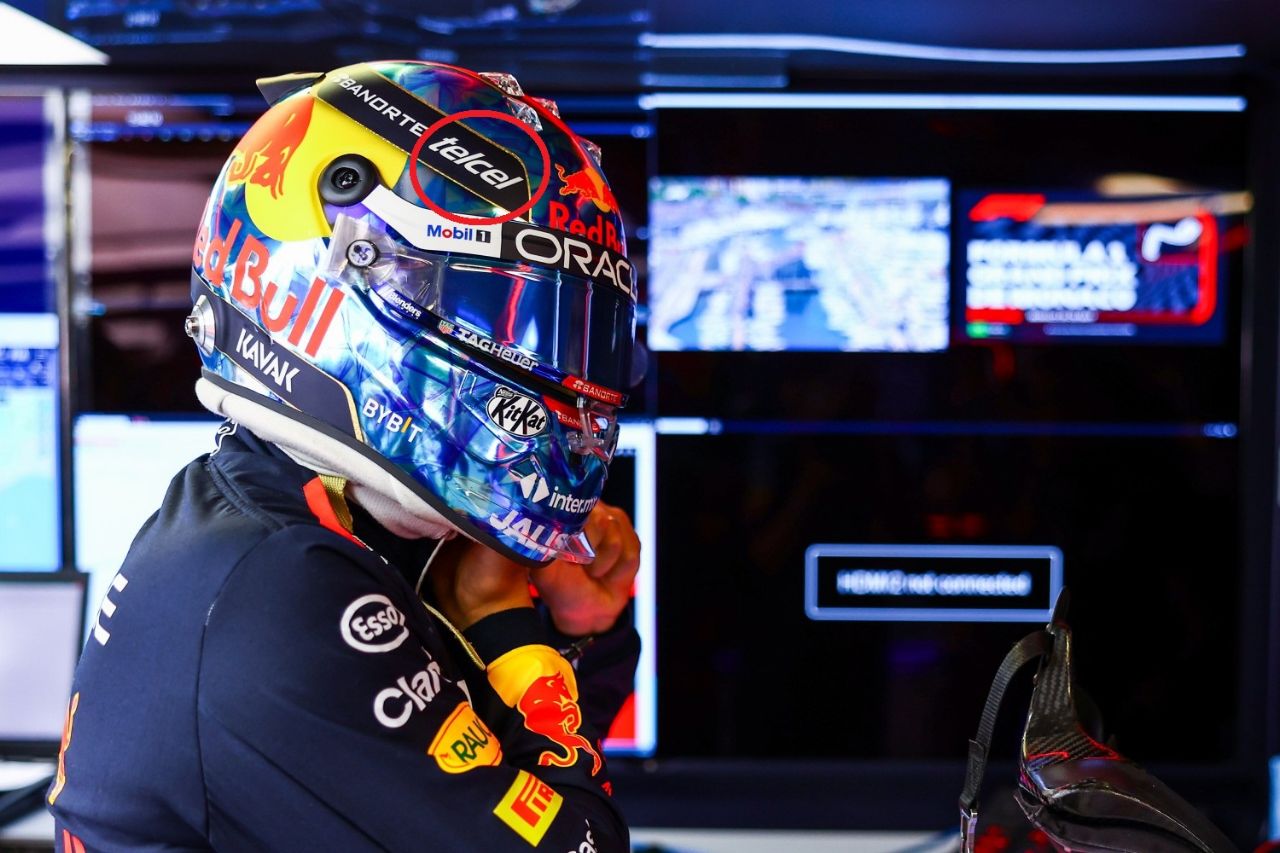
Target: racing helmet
[428, 266]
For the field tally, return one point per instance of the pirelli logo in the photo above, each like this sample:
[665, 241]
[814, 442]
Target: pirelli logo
[529, 807]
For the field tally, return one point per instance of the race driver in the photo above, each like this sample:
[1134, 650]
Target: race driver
[413, 305]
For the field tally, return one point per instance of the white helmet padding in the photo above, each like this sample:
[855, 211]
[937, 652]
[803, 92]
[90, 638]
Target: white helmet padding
[392, 504]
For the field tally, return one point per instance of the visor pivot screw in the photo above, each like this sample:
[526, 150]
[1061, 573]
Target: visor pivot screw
[199, 325]
[361, 253]
[345, 178]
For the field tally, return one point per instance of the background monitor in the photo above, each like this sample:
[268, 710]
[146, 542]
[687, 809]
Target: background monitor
[798, 263]
[40, 640]
[1070, 266]
[29, 511]
[123, 466]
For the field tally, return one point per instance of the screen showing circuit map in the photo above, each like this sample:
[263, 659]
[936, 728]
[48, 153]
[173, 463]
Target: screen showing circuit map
[787, 263]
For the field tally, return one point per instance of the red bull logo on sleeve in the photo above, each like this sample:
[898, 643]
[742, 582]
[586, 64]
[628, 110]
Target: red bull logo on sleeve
[263, 154]
[550, 709]
[587, 185]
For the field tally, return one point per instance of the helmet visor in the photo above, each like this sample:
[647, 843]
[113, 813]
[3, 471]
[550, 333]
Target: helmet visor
[531, 316]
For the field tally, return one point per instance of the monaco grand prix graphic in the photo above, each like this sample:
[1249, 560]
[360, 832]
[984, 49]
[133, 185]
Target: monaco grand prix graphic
[1040, 266]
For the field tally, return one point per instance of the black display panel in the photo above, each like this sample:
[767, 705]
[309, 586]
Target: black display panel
[1122, 458]
[1144, 525]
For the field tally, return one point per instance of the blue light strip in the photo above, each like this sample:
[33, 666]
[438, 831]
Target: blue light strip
[906, 50]
[712, 426]
[942, 101]
[1275, 798]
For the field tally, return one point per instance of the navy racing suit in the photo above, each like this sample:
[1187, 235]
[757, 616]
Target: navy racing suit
[262, 676]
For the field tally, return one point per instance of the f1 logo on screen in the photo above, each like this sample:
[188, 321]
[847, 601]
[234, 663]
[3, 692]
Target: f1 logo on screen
[932, 583]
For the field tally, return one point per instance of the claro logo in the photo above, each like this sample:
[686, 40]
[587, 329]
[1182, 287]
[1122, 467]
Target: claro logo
[372, 623]
[393, 706]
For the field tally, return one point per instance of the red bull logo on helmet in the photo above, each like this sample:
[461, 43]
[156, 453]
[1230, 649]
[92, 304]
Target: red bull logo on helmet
[588, 185]
[602, 231]
[551, 710]
[263, 154]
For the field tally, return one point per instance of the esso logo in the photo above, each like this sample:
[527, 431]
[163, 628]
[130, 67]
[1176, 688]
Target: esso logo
[372, 623]
[515, 413]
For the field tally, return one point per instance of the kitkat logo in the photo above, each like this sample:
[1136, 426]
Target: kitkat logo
[515, 413]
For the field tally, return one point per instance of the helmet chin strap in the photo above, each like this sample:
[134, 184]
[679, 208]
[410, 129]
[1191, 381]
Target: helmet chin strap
[383, 496]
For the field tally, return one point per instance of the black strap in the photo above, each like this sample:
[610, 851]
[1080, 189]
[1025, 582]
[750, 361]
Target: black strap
[1027, 649]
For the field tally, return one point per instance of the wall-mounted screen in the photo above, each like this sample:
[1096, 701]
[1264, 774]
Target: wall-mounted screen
[1043, 267]
[798, 263]
[39, 644]
[29, 503]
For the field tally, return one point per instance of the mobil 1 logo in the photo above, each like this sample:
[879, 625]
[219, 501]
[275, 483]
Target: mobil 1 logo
[515, 413]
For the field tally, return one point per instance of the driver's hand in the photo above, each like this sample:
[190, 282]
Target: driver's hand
[587, 599]
[472, 581]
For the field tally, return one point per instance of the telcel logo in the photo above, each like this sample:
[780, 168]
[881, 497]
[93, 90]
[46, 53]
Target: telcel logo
[373, 624]
[393, 706]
